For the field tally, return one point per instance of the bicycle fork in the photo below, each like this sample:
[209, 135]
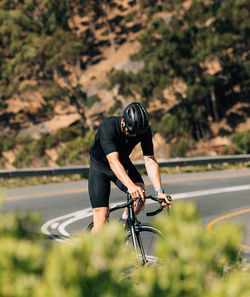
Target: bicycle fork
[136, 238]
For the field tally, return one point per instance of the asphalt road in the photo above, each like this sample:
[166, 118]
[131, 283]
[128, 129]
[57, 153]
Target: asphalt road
[65, 208]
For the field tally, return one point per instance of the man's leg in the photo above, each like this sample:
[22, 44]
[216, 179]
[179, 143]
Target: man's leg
[99, 191]
[100, 216]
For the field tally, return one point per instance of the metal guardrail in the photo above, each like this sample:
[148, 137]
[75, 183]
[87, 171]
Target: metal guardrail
[84, 169]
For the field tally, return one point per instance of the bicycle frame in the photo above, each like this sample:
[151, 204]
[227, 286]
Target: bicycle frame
[135, 226]
[135, 234]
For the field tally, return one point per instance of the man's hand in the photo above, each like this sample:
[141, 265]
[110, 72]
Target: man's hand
[167, 198]
[136, 192]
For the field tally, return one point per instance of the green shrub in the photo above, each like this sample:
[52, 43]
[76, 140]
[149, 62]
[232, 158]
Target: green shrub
[23, 140]
[72, 153]
[62, 135]
[91, 266]
[115, 107]
[169, 127]
[237, 284]
[76, 151]
[123, 79]
[22, 256]
[230, 150]
[179, 148]
[25, 156]
[53, 93]
[242, 141]
[241, 144]
[89, 138]
[2, 162]
[118, 77]
[194, 262]
[7, 143]
[31, 154]
[91, 100]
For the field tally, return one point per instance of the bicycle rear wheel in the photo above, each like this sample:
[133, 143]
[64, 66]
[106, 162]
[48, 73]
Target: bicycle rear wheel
[146, 238]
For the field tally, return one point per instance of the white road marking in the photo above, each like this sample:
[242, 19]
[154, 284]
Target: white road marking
[48, 224]
[55, 225]
[70, 218]
[211, 192]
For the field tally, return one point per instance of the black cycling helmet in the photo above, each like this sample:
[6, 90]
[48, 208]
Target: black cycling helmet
[136, 118]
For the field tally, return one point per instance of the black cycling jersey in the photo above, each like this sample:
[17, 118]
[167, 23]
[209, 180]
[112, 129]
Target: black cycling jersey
[110, 138]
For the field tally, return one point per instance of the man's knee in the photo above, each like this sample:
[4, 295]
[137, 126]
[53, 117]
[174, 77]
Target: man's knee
[100, 215]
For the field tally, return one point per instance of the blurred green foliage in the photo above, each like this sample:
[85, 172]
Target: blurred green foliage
[180, 148]
[74, 147]
[76, 150]
[193, 261]
[22, 254]
[242, 141]
[117, 107]
[71, 152]
[91, 100]
[240, 144]
[6, 143]
[91, 266]
[28, 154]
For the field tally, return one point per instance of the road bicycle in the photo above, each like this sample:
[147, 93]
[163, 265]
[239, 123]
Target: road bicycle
[141, 237]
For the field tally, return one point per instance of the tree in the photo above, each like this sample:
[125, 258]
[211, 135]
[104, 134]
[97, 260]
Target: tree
[206, 46]
[38, 44]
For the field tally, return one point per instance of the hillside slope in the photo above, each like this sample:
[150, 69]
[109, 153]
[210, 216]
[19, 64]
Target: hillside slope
[35, 111]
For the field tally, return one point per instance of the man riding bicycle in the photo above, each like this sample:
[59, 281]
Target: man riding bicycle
[109, 161]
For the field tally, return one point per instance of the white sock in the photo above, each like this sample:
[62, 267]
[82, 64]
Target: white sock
[124, 216]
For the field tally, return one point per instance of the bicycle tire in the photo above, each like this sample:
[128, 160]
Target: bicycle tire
[90, 226]
[149, 236]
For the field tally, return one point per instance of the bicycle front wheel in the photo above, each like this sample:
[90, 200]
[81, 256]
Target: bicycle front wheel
[146, 238]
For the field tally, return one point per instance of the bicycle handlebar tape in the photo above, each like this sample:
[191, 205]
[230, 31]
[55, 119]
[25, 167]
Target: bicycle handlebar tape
[151, 214]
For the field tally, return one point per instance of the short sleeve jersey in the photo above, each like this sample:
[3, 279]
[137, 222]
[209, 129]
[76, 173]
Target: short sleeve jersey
[110, 138]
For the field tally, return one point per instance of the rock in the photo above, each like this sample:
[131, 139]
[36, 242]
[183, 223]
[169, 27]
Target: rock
[93, 88]
[130, 66]
[35, 131]
[61, 121]
[49, 127]
[10, 156]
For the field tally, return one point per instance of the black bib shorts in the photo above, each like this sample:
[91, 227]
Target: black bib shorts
[100, 177]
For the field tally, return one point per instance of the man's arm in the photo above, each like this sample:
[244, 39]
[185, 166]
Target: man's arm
[120, 172]
[154, 175]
